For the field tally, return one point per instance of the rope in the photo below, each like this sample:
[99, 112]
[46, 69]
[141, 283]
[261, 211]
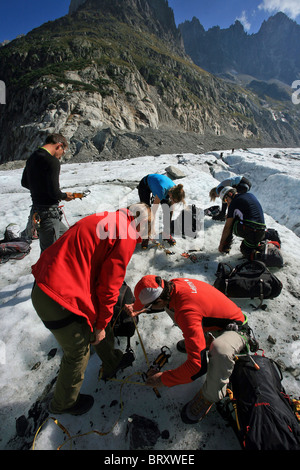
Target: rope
[123, 382]
[61, 208]
[94, 431]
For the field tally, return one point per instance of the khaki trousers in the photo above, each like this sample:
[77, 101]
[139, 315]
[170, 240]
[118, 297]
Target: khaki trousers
[74, 339]
[221, 356]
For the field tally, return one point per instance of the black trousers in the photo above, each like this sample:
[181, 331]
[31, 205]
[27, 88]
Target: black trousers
[251, 238]
[145, 196]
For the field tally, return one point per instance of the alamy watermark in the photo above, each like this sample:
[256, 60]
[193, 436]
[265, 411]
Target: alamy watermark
[2, 92]
[296, 94]
[182, 222]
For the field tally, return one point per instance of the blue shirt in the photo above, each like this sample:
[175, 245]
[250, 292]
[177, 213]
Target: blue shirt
[160, 185]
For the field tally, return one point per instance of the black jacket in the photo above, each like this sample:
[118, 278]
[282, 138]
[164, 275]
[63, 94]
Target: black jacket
[41, 177]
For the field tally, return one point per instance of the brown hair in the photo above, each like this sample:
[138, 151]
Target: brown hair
[213, 194]
[57, 139]
[177, 193]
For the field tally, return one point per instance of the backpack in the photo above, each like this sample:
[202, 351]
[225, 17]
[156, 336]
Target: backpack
[269, 253]
[17, 249]
[248, 280]
[12, 246]
[122, 324]
[272, 235]
[262, 415]
[212, 211]
[188, 223]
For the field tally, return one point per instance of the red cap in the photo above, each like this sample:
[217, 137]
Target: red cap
[146, 291]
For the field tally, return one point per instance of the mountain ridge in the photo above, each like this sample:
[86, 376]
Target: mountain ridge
[271, 53]
[118, 83]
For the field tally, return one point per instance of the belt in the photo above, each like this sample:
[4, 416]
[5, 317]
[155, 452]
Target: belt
[56, 324]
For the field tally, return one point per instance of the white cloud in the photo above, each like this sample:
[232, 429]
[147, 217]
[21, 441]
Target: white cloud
[290, 7]
[243, 19]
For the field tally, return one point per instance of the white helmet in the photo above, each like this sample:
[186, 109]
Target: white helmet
[225, 191]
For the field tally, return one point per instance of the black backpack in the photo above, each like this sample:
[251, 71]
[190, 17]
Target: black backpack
[258, 408]
[270, 254]
[188, 223]
[212, 211]
[272, 235]
[122, 324]
[248, 280]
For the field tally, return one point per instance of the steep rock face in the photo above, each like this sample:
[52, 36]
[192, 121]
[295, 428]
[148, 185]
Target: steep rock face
[118, 84]
[154, 16]
[272, 53]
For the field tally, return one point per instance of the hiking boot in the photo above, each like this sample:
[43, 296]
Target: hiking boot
[83, 404]
[220, 216]
[170, 241]
[196, 409]
[181, 346]
[126, 361]
[145, 244]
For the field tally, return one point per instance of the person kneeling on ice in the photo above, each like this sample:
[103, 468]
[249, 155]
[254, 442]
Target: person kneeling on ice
[164, 192]
[197, 308]
[240, 183]
[77, 284]
[245, 219]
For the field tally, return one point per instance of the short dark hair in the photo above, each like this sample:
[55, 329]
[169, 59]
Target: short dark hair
[57, 139]
[167, 289]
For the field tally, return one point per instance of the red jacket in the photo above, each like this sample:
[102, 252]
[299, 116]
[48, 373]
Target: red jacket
[85, 268]
[198, 307]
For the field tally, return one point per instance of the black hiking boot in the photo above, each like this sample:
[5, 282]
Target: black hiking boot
[145, 243]
[196, 409]
[83, 404]
[126, 361]
[220, 216]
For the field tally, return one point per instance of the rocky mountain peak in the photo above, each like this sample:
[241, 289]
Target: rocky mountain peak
[154, 16]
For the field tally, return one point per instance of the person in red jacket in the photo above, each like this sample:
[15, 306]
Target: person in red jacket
[77, 283]
[197, 308]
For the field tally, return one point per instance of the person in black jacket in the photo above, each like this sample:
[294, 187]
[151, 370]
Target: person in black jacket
[41, 177]
[245, 219]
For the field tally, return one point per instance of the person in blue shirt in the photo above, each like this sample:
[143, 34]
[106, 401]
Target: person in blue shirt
[155, 189]
[245, 218]
[240, 183]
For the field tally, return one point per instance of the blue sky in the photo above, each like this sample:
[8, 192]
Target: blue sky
[21, 16]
